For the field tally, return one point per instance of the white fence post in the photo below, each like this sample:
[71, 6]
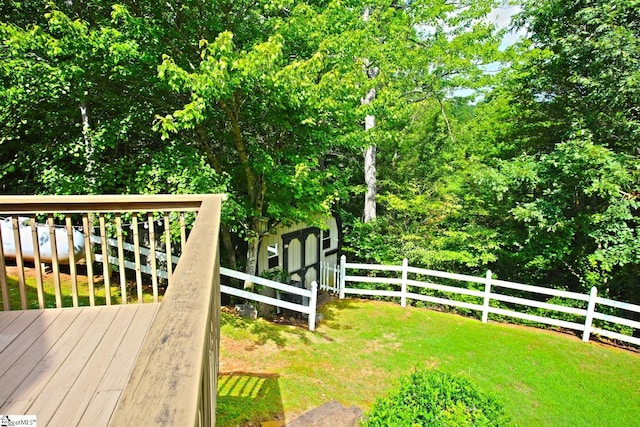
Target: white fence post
[343, 269]
[313, 301]
[487, 297]
[590, 310]
[403, 292]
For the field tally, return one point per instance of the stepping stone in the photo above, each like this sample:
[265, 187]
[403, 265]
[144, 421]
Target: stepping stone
[331, 414]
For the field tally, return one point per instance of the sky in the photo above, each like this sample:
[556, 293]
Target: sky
[501, 16]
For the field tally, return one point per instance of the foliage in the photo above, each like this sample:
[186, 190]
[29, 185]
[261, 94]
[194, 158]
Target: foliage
[422, 155]
[534, 175]
[68, 123]
[434, 398]
[276, 274]
[564, 179]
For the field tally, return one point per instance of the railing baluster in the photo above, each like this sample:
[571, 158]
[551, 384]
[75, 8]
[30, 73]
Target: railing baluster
[73, 271]
[19, 262]
[152, 253]
[32, 289]
[4, 286]
[89, 258]
[106, 269]
[36, 260]
[54, 262]
[123, 277]
[167, 237]
[136, 252]
[183, 232]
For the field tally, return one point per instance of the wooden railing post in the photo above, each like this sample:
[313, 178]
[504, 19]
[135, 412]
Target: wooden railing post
[590, 310]
[487, 298]
[403, 294]
[313, 302]
[19, 262]
[173, 382]
[4, 285]
[343, 269]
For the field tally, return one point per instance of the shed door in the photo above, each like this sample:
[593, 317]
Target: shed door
[301, 255]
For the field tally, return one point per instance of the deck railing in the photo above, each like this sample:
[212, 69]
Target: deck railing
[174, 378]
[39, 229]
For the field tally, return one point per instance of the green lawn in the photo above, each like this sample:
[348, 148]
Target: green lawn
[360, 350]
[66, 292]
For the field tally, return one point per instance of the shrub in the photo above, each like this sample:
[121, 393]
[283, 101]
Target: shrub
[434, 398]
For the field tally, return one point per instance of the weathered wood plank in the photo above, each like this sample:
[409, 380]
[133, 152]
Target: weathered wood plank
[136, 256]
[77, 401]
[54, 262]
[106, 273]
[166, 385]
[45, 354]
[123, 279]
[152, 258]
[15, 351]
[7, 317]
[72, 261]
[102, 203]
[19, 262]
[60, 384]
[88, 256]
[17, 327]
[36, 260]
[100, 409]
[66, 360]
[4, 285]
[126, 354]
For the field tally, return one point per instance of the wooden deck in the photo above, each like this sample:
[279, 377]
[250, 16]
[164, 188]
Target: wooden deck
[69, 366]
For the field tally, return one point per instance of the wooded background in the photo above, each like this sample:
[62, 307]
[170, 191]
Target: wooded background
[534, 174]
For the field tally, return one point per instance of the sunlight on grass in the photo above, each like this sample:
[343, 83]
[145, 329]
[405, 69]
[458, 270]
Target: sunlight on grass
[66, 291]
[363, 347]
[244, 397]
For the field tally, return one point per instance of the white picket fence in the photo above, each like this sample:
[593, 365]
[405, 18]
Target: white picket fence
[329, 277]
[309, 296]
[405, 285]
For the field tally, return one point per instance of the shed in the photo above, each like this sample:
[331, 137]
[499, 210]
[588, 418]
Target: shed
[299, 250]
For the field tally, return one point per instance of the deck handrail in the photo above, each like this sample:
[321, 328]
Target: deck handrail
[20, 204]
[173, 382]
[95, 210]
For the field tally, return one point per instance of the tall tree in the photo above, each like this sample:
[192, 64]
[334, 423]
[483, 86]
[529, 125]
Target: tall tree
[567, 181]
[430, 52]
[371, 70]
[269, 110]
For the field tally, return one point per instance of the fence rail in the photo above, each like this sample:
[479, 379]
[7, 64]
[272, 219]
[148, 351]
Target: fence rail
[310, 294]
[492, 291]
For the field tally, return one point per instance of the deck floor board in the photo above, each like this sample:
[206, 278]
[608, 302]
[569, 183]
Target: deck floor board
[63, 361]
[14, 351]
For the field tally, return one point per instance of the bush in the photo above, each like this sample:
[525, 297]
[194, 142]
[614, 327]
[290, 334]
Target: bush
[434, 398]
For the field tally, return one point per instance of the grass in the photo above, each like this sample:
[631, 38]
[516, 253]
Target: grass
[66, 293]
[362, 348]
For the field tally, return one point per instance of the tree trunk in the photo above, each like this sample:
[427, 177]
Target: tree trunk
[229, 249]
[256, 190]
[88, 146]
[369, 211]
